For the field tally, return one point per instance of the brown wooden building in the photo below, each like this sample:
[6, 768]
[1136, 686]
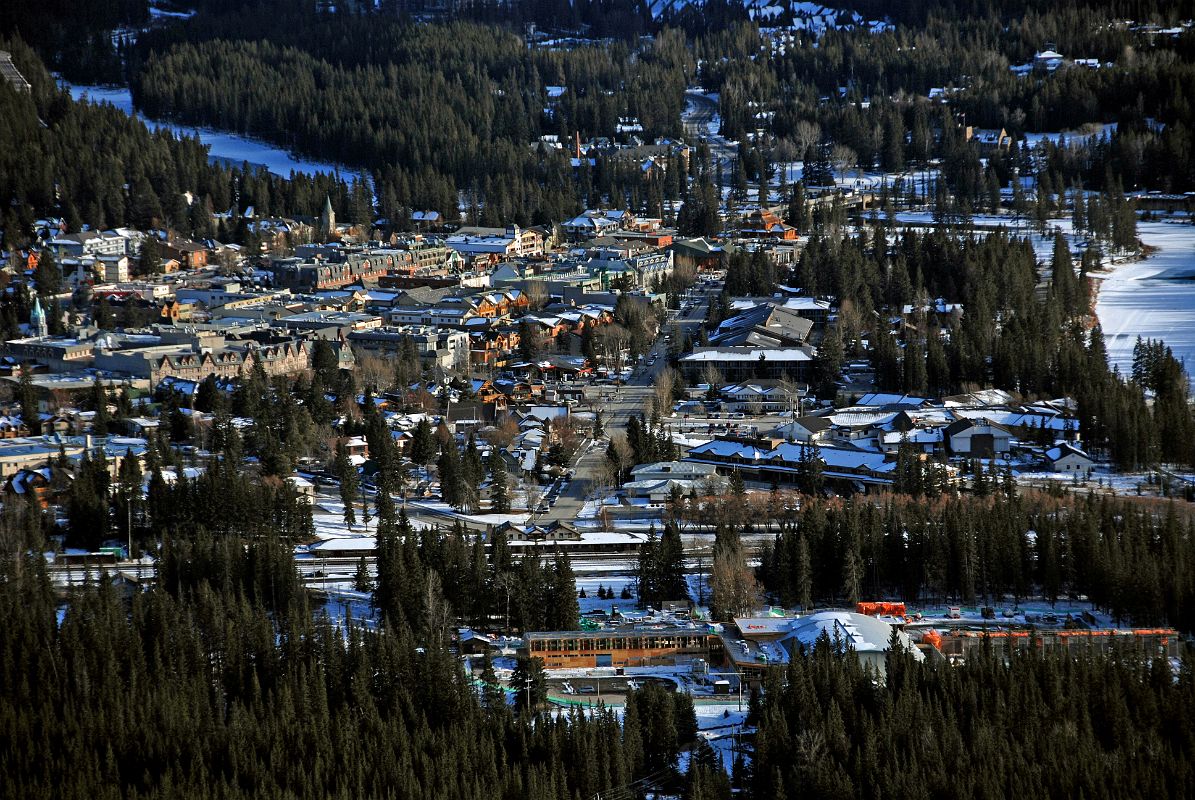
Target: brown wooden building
[629, 647]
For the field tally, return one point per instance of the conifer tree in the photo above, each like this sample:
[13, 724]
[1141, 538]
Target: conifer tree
[472, 472]
[346, 474]
[499, 483]
[362, 582]
[451, 480]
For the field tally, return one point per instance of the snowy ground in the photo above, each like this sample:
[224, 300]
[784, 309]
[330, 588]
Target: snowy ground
[1102, 478]
[1072, 137]
[164, 13]
[614, 581]
[721, 725]
[1153, 298]
[441, 508]
[221, 145]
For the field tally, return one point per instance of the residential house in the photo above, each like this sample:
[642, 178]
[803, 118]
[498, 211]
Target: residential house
[760, 223]
[990, 140]
[806, 429]
[1064, 457]
[35, 485]
[190, 255]
[977, 438]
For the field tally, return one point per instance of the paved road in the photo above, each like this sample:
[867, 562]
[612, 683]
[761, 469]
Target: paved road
[699, 112]
[618, 404]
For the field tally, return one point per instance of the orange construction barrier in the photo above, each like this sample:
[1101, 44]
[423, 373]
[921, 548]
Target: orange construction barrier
[881, 609]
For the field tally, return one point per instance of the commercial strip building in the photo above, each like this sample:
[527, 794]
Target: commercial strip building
[623, 647]
[744, 363]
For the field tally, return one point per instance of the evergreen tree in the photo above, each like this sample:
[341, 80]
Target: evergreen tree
[27, 396]
[346, 474]
[423, 443]
[529, 683]
[47, 277]
[472, 473]
[452, 488]
[499, 483]
[362, 582]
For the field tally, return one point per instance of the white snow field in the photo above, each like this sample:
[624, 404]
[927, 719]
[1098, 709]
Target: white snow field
[1153, 298]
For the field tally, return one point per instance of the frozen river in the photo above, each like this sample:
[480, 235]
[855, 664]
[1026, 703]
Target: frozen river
[221, 145]
[1153, 298]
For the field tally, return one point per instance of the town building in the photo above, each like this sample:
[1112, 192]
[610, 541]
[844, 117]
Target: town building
[623, 647]
[756, 643]
[437, 347]
[747, 362]
[777, 461]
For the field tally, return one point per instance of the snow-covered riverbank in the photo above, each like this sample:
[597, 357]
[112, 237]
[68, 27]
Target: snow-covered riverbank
[222, 145]
[1153, 298]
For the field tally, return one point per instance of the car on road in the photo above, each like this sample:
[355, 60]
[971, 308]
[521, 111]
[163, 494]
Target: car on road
[542, 508]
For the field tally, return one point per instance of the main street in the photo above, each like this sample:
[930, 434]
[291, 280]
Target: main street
[618, 403]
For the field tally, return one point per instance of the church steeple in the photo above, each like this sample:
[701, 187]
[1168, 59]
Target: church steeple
[37, 319]
[327, 220]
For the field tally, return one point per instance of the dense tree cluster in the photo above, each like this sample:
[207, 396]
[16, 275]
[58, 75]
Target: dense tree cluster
[221, 683]
[1129, 560]
[1017, 724]
[76, 36]
[1023, 324]
[93, 164]
[438, 574]
[815, 86]
[439, 113]
[661, 573]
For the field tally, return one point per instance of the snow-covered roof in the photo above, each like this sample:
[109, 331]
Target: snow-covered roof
[861, 633]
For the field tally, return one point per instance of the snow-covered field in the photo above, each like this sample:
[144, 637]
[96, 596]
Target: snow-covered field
[1153, 298]
[614, 581]
[221, 144]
